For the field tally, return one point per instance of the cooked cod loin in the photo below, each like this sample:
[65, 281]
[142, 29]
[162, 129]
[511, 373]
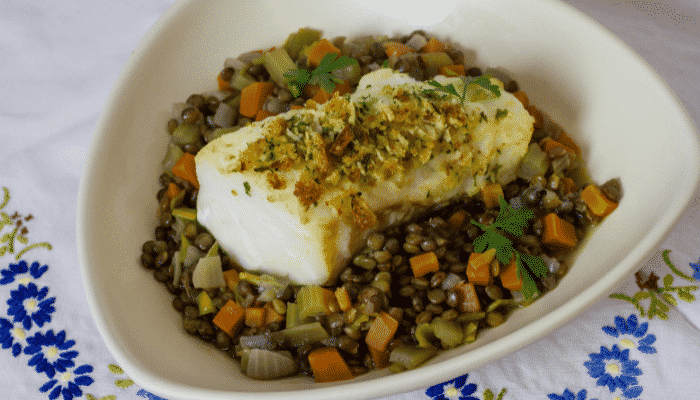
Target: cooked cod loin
[296, 194]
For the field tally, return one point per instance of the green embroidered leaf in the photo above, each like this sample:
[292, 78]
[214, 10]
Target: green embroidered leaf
[488, 394]
[90, 397]
[123, 383]
[685, 296]
[641, 296]
[22, 239]
[501, 394]
[115, 369]
[668, 280]
[669, 299]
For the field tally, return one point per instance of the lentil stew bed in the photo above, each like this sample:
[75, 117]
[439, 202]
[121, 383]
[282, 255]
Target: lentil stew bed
[431, 283]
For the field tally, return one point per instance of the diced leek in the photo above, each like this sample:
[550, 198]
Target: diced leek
[205, 304]
[292, 315]
[277, 62]
[172, 157]
[240, 80]
[449, 332]
[500, 302]
[189, 214]
[208, 273]
[470, 331]
[191, 257]
[296, 41]
[302, 334]
[225, 115]
[436, 59]
[176, 201]
[177, 268]
[411, 357]
[471, 317]
[266, 364]
[256, 342]
[213, 250]
[425, 335]
[535, 162]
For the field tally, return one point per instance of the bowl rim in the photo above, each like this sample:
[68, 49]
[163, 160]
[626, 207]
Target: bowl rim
[409, 380]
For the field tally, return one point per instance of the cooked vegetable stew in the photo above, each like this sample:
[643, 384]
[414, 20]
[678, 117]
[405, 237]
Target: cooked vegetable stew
[414, 289]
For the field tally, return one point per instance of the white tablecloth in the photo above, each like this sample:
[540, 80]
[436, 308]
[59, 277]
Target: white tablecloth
[58, 61]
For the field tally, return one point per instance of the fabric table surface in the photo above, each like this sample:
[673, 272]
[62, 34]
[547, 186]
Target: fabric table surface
[58, 62]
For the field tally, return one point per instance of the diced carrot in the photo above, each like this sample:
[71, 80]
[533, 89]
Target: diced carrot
[491, 193]
[558, 233]
[452, 70]
[318, 50]
[522, 97]
[186, 169]
[457, 219]
[231, 279]
[255, 317]
[479, 267]
[382, 331]
[262, 114]
[296, 107]
[596, 201]
[537, 115]
[230, 318]
[567, 141]
[433, 46]
[397, 49]
[509, 277]
[253, 97]
[380, 357]
[568, 185]
[223, 84]
[548, 144]
[328, 365]
[467, 299]
[271, 315]
[423, 264]
[173, 190]
[320, 96]
[343, 297]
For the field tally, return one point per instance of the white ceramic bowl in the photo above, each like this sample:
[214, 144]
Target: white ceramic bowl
[625, 119]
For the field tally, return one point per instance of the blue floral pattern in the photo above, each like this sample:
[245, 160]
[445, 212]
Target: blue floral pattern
[10, 273]
[28, 304]
[614, 369]
[453, 389]
[696, 270]
[631, 326]
[569, 395]
[69, 383]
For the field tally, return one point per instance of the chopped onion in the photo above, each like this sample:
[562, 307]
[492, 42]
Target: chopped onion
[177, 268]
[256, 342]
[417, 41]
[551, 263]
[266, 364]
[234, 63]
[191, 256]
[208, 273]
[172, 157]
[450, 281]
[224, 116]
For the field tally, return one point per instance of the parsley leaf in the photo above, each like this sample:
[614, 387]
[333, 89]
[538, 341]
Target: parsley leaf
[513, 221]
[483, 81]
[501, 113]
[321, 75]
[246, 186]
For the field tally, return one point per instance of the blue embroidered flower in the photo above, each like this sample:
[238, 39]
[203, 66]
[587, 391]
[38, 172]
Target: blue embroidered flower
[69, 383]
[631, 326]
[50, 352]
[10, 336]
[614, 369]
[696, 268]
[569, 395]
[28, 304]
[453, 389]
[9, 274]
[148, 395]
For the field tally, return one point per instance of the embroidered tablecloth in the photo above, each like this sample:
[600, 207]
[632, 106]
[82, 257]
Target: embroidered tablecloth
[58, 61]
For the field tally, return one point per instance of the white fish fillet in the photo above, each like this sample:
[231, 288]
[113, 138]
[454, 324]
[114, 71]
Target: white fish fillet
[311, 239]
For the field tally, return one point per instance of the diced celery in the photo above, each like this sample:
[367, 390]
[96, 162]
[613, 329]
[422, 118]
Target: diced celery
[313, 300]
[296, 41]
[535, 162]
[213, 250]
[240, 80]
[189, 214]
[436, 59]
[470, 331]
[411, 356]
[208, 273]
[177, 200]
[292, 315]
[205, 304]
[277, 62]
[471, 317]
[302, 334]
[425, 335]
[449, 332]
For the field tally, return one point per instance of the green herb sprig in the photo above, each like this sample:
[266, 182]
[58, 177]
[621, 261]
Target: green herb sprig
[484, 81]
[513, 221]
[321, 75]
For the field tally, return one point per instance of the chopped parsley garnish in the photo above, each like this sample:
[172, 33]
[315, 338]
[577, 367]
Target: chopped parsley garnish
[246, 186]
[501, 113]
[321, 76]
[513, 221]
[484, 81]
